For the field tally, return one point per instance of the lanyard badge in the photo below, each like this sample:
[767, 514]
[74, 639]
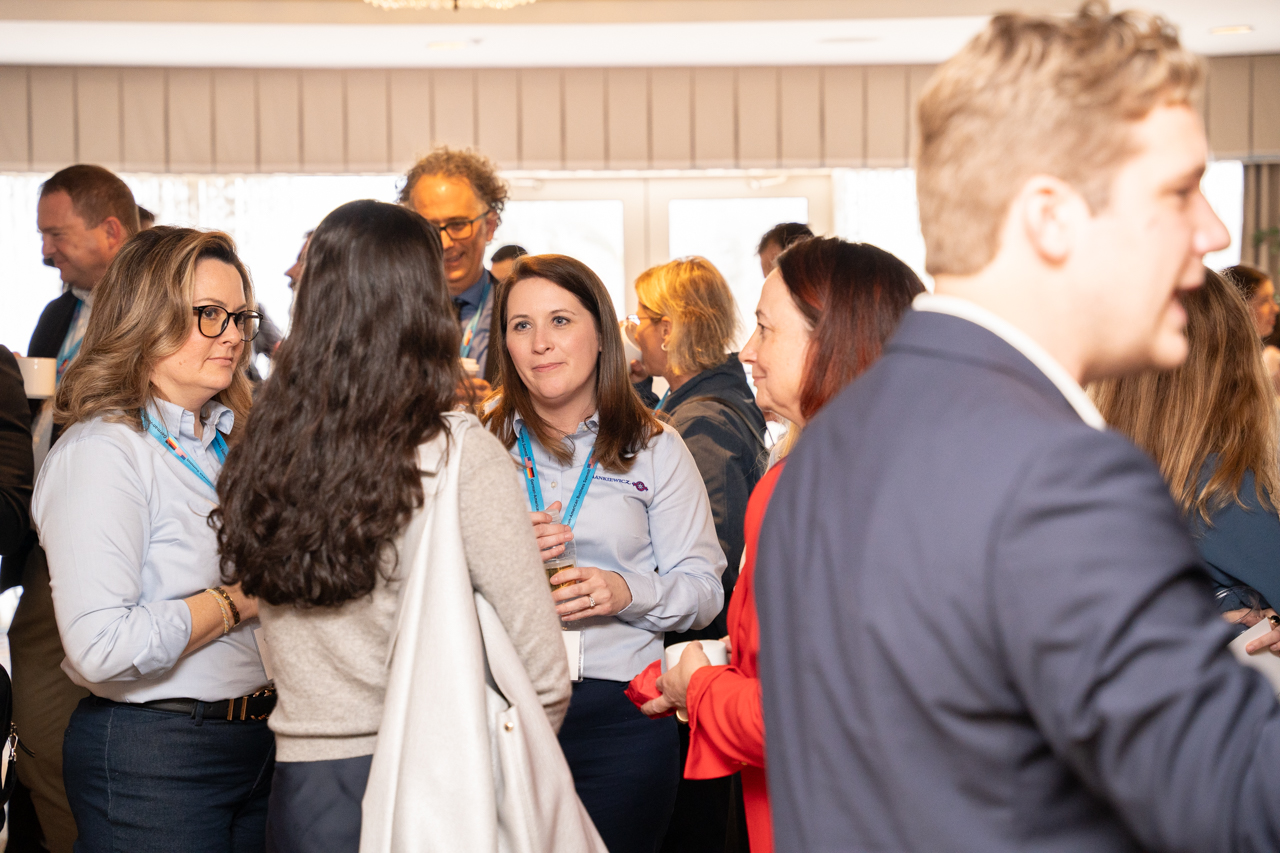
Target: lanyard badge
[469, 331]
[160, 434]
[534, 488]
[573, 639]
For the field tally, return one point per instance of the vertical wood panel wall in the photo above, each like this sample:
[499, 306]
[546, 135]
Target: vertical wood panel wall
[325, 121]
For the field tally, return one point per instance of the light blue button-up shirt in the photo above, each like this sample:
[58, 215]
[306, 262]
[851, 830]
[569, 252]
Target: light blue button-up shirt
[653, 526]
[125, 526]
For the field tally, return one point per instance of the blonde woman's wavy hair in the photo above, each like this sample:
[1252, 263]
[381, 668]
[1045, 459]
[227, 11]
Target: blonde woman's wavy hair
[693, 294]
[1218, 402]
[141, 314]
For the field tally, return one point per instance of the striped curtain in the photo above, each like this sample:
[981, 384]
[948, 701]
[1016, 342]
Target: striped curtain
[1260, 243]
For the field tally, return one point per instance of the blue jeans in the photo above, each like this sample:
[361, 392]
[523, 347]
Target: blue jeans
[625, 766]
[141, 780]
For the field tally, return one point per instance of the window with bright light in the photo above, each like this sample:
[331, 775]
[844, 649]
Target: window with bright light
[590, 231]
[727, 232]
[268, 216]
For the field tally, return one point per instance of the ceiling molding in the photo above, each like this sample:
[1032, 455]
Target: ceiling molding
[542, 12]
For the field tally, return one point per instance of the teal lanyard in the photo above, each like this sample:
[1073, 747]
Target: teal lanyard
[469, 330]
[533, 487]
[171, 444]
[663, 401]
[71, 346]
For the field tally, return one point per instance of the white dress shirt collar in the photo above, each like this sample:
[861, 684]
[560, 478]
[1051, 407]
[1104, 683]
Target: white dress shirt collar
[1023, 343]
[590, 424]
[181, 423]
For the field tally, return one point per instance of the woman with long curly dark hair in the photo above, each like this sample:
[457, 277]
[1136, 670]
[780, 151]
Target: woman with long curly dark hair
[326, 489]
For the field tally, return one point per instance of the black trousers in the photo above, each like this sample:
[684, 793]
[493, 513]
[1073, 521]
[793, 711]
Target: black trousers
[315, 805]
[625, 766]
[708, 816]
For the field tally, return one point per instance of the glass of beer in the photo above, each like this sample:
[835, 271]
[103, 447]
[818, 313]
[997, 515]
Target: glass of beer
[566, 560]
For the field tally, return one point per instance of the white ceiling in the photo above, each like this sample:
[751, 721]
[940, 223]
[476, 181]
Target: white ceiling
[225, 33]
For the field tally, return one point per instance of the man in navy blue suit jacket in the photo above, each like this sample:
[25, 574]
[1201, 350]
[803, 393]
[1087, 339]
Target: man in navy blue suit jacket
[983, 624]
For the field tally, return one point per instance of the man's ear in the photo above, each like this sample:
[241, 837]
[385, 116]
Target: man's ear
[1051, 215]
[491, 222]
[114, 232]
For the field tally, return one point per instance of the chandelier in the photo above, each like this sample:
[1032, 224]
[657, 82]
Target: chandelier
[455, 5]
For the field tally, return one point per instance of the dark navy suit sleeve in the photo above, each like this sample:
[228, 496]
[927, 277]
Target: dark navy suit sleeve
[16, 465]
[1243, 544]
[1109, 631]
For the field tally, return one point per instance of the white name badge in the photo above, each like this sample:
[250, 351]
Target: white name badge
[573, 651]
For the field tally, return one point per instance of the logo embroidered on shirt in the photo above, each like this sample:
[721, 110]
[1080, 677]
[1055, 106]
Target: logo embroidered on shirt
[637, 484]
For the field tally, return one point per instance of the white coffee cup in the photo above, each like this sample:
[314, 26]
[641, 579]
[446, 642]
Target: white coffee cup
[471, 367]
[39, 377]
[715, 650]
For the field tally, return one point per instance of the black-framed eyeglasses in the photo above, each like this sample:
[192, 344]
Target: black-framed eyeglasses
[212, 321]
[460, 229]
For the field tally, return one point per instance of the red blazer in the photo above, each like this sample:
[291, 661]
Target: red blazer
[726, 720]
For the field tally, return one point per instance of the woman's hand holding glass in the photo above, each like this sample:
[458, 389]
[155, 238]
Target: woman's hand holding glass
[1269, 640]
[591, 592]
[674, 683]
[551, 534]
[580, 592]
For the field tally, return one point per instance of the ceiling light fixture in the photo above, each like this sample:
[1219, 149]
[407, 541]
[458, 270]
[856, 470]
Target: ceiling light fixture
[455, 5]
[1233, 30]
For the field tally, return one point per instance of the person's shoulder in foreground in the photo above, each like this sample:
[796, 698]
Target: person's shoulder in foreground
[983, 605]
[982, 618]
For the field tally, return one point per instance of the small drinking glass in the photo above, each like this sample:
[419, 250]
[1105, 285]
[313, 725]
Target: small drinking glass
[565, 560]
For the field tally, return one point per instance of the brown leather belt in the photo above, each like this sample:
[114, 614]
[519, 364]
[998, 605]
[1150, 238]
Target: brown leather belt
[255, 706]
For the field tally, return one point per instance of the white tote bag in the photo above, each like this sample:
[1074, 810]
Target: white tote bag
[466, 759]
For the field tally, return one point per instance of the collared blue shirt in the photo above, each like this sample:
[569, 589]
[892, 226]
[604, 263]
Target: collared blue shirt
[469, 300]
[653, 526]
[125, 526]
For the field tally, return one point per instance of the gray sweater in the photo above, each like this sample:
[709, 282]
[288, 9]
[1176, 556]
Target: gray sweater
[329, 663]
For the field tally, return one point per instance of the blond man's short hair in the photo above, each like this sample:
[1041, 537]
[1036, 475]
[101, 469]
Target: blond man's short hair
[693, 294]
[1034, 95]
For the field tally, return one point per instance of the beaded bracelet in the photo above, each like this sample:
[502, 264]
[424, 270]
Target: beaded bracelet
[226, 619]
[235, 611]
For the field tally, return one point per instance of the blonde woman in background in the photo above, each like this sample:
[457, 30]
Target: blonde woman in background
[684, 326]
[171, 750]
[1211, 427]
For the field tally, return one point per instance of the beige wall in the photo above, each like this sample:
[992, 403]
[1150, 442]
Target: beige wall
[240, 120]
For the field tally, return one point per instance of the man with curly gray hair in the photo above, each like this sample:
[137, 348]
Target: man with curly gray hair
[460, 193]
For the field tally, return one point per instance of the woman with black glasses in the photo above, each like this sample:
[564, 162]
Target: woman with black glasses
[171, 750]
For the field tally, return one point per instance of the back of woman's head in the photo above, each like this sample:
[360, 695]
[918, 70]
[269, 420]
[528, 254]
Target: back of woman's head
[853, 295]
[327, 476]
[1247, 279]
[1218, 402]
[625, 424]
[696, 298]
[141, 314]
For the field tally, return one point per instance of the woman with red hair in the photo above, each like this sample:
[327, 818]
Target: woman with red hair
[824, 316]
